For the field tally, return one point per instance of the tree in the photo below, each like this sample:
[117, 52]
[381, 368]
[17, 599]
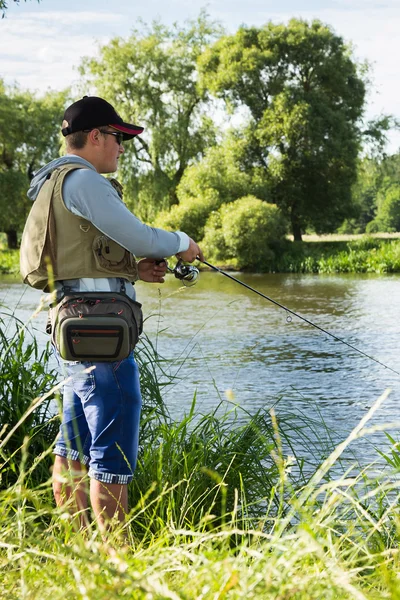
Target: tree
[305, 97]
[29, 137]
[152, 77]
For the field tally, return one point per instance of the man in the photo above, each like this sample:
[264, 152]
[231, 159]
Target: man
[75, 210]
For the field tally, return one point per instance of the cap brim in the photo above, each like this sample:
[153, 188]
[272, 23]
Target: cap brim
[129, 131]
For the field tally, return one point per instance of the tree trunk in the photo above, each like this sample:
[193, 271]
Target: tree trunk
[295, 223]
[12, 241]
[296, 229]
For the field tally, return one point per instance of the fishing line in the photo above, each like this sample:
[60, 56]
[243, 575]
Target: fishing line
[292, 312]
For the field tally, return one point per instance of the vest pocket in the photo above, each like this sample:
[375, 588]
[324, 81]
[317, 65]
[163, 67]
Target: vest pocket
[112, 258]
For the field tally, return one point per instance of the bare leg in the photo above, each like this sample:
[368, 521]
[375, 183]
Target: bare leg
[75, 487]
[109, 502]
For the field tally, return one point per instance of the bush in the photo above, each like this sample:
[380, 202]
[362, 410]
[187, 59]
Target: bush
[349, 226]
[9, 262]
[242, 232]
[375, 226]
[190, 215]
[389, 208]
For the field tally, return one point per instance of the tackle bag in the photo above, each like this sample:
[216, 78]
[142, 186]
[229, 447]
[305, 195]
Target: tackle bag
[96, 326]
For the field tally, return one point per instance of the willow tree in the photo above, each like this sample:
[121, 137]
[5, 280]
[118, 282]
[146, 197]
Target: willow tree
[305, 97]
[152, 77]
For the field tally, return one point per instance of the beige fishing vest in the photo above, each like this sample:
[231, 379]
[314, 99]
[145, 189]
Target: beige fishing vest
[58, 245]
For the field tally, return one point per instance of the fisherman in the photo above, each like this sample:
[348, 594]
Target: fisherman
[80, 230]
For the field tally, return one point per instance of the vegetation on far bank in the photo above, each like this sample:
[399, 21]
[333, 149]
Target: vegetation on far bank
[220, 508]
[364, 254]
[9, 262]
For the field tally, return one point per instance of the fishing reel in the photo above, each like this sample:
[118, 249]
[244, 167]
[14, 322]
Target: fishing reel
[188, 274]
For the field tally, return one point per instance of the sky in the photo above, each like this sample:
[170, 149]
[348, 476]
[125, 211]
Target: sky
[42, 44]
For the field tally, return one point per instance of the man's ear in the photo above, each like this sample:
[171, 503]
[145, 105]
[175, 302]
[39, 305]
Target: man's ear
[94, 137]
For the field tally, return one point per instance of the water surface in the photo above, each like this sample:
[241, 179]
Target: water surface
[218, 336]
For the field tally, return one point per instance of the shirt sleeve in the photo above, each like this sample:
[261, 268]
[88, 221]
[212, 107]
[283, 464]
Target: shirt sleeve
[88, 194]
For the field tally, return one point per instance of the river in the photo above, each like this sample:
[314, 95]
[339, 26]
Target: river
[226, 343]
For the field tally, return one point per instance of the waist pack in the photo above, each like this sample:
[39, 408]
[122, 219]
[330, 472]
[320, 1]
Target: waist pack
[96, 326]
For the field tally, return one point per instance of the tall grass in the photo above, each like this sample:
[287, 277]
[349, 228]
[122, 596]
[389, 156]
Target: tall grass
[25, 376]
[218, 508]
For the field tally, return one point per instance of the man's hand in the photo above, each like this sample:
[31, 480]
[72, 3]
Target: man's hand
[191, 253]
[150, 271]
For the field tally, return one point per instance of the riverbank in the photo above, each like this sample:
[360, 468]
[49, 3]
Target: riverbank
[363, 255]
[323, 254]
[219, 509]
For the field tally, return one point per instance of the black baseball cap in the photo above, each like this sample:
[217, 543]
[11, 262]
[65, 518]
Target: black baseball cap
[91, 112]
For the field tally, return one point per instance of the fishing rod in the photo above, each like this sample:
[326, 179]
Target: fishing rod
[189, 274]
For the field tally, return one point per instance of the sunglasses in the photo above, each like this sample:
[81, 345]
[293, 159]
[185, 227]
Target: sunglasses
[119, 137]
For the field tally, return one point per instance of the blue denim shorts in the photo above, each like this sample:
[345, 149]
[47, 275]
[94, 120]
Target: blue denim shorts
[100, 422]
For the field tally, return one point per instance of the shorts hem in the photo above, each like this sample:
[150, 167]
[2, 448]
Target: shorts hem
[110, 477]
[71, 454]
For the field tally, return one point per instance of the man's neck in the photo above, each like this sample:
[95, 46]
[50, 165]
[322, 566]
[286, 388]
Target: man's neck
[85, 155]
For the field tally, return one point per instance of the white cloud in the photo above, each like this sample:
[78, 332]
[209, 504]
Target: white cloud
[73, 20]
[36, 53]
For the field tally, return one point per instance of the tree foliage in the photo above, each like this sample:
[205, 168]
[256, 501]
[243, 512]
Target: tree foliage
[225, 174]
[226, 168]
[152, 77]
[373, 191]
[29, 137]
[305, 96]
[389, 207]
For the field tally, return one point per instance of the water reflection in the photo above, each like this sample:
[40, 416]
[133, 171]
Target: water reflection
[218, 336]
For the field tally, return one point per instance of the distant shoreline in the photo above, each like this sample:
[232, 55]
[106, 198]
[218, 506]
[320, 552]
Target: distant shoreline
[325, 254]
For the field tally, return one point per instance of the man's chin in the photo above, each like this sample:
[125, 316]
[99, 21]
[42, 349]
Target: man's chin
[108, 171]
